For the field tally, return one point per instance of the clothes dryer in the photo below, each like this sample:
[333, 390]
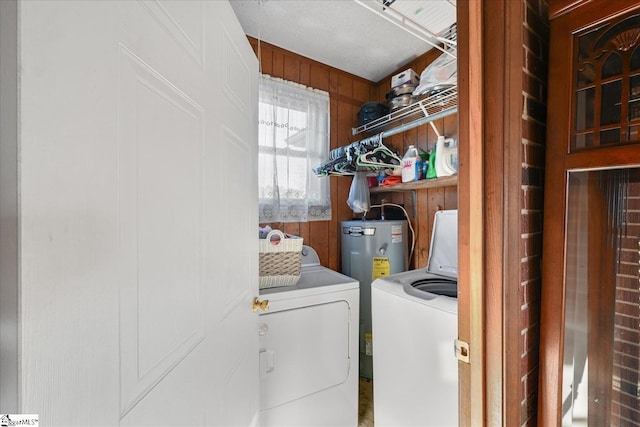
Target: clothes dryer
[309, 349]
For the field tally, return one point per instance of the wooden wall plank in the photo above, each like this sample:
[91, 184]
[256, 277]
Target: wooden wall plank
[345, 85]
[361, 91]
[319, 78]
[267, 59]
[318, 233]
[333, 81]
[291, 70]
[277, 65]
[305, 74]
[422, 229]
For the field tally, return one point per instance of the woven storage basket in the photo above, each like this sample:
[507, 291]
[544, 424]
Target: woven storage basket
[280, 260]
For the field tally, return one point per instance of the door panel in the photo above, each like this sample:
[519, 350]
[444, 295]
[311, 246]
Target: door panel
[138, 211]
[160, 249]
[184, 22]
[235, 179]
[236, 74]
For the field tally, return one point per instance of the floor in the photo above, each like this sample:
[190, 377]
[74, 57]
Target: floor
[365, 403]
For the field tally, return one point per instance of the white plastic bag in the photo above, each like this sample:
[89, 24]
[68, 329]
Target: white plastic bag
[440, 74]
[359, 200]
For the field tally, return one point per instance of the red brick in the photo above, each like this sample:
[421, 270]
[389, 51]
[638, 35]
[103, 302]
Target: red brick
[530, 292]
[532, 42]
[530, 383]
[533, 87]
[532, 198]
[531, 222]
[629, 283]
[534, 131]
[531, 246]
[630, 256]
[633, 203]
[538, 24]
[535, 65]
[530, 314]
[622, 359]
[625, 348]
[529, 359]
[533, 154]
[530, 339]
[530, 269]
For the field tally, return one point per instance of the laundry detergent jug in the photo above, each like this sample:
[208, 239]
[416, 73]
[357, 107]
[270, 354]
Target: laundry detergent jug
[411, 165]
[446, 161]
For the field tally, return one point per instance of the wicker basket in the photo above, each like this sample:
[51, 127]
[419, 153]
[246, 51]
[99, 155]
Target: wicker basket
[280, 260]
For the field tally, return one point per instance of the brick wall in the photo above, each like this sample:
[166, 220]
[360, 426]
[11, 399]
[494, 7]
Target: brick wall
[625, 407]
[534, 90]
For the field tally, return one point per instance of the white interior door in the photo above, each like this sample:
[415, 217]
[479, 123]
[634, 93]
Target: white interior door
[138, 210]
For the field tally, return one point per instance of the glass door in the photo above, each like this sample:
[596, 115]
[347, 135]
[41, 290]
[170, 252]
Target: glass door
[590, 303]
[601, 361]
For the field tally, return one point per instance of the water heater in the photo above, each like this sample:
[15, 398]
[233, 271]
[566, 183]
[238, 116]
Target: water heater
[372, 249]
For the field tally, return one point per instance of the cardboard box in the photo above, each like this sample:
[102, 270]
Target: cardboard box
[406, 77]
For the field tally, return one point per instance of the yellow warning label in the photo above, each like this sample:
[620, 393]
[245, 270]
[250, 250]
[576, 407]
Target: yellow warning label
[381, 267]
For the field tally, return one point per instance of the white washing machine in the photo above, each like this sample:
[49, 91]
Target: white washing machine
[415, 324]
[309, 349]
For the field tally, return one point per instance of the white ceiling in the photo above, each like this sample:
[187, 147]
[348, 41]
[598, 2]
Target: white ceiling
[346, 34]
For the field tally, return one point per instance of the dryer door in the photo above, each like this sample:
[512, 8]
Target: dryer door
[303, 351]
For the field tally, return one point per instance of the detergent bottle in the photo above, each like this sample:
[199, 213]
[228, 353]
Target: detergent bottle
[410, 165]
[431, 171]
[446, 161]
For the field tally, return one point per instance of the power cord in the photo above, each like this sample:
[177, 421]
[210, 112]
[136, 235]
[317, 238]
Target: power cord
[413, 233]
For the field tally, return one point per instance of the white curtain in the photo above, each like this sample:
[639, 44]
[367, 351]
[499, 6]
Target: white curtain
[293, 138]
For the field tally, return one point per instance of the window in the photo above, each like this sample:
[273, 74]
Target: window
[293, 138]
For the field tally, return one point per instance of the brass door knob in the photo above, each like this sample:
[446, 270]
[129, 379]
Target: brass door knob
[260, 305]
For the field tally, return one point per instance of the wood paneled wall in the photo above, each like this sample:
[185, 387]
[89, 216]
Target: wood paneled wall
[348, 93]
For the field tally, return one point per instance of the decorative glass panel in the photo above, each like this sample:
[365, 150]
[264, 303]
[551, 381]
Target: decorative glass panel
[623, 35]
[586, 74]
[635, 60]
[610, 103]
[607, 86]
[584, 105]
[634, 97]
[601, 363]
[584, 140]
[585, 44]
[610, 136]
[612, 66]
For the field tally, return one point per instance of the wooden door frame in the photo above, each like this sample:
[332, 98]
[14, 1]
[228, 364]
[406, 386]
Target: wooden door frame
[471, 215]
[490, 122]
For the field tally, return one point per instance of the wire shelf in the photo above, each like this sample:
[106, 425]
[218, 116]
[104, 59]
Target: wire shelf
[437, 105]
